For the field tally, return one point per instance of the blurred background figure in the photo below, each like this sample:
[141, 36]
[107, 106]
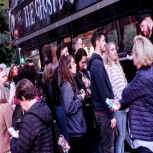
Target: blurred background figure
[76, 44]
[6, 112]
[13, 74]
[10, 92]
[54, 59]
[29, 61]
[48, 87]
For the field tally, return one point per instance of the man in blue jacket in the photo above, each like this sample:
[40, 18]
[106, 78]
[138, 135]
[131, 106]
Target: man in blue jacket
[101, 89]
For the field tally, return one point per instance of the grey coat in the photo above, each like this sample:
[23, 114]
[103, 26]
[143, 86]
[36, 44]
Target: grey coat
[75, 121]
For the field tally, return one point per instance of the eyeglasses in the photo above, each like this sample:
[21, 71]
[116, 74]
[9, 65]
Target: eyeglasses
[84, 62]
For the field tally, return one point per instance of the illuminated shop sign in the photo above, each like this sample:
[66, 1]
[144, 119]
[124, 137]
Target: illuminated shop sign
[32, 15]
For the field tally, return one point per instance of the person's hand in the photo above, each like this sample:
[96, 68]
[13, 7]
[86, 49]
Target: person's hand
[113, 123]
[89, 91]
[86, 84]
[117, 103]
[82, 93]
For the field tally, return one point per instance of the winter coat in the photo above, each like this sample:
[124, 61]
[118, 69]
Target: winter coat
[139, 96]
[35, 135]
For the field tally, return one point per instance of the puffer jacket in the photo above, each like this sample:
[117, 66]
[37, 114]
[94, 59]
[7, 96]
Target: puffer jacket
[35, 135]
[139, 96]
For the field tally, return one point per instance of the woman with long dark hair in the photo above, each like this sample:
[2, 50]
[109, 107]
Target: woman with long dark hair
[82, 79]
[72, 103]
[13, 74]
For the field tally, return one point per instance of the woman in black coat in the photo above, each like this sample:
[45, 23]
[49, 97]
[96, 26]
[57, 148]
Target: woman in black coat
[82, 79]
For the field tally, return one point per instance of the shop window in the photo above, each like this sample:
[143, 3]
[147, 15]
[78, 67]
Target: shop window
[49, 53]
[86, 37]
[35, 57]
[127, 32]
[111, 32]
[122, 32]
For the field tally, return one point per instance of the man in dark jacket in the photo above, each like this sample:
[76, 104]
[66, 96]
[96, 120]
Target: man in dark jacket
[145, 22]
[35, 134]
[101, 89]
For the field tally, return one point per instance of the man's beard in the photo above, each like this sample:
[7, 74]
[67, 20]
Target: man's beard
[147, 34]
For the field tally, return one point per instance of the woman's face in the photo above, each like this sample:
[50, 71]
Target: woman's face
[15, 71]
[135, 58]
[82, 63]
[113, 53]
[65, 51]
[73, 66]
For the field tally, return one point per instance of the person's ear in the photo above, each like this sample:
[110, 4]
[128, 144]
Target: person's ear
[23, 99]
[97, 42]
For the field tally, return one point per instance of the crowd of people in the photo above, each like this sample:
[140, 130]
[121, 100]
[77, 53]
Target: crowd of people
[74, 92]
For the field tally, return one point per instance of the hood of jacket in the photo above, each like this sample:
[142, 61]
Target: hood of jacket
[93, 57]
[42, 111]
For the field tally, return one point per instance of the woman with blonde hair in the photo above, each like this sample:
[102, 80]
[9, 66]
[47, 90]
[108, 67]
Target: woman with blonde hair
[5, 121]
[138, 95]
[118, 82]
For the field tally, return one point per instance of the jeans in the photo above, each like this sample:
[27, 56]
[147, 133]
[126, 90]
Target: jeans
[142, 150]
[62, 121]
[106, 134]
[121, 126]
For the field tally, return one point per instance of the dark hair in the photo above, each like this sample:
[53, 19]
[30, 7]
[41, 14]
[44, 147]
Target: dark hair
[78, 56]
[97, 35]
[59, 49]
[10, 75]
[25, 88]
[64, 73]
[29, 61]
[29, 72]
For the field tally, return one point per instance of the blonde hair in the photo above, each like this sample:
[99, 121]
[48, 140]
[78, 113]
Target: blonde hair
[144, 50]
[48, 73]
[107, 60]
[3, 97]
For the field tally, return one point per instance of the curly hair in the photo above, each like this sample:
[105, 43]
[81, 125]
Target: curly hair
[48, 73]
[24, 89]
[78, 56]
[64, 70]
[29, 72]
